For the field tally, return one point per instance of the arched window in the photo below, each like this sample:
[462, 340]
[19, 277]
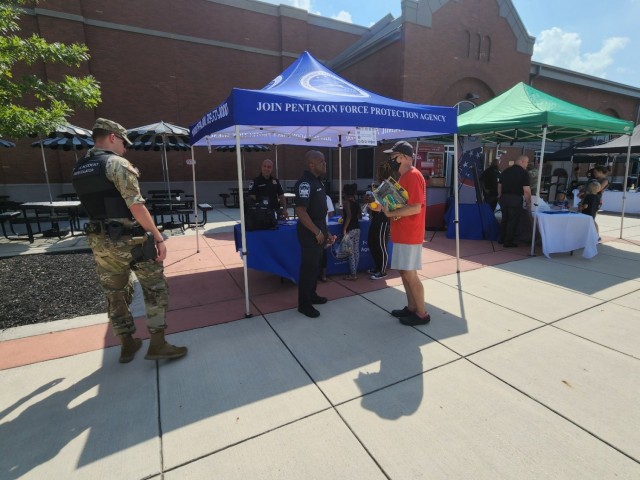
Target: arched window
[486, 48]
[466, 52]
[464, 106]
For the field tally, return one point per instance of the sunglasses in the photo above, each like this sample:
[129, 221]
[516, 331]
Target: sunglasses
[123, 140]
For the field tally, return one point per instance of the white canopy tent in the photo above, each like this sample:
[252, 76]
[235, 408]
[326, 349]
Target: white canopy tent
[625, 143]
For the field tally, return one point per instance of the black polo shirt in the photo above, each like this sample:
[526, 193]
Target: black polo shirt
[311, 195]
[268, 189]
[513, 179]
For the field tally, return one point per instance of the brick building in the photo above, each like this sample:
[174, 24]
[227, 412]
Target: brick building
[175, 60]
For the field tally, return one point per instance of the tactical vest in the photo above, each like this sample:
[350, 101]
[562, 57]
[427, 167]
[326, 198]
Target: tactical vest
[100, 197]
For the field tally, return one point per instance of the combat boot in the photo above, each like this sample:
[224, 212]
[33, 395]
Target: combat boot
[129, 347]
[159, 349]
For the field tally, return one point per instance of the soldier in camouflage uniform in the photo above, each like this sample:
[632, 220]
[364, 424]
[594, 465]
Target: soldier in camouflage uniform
[120, 229]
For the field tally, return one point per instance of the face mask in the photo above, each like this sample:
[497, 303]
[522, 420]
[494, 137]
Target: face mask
[395, 166]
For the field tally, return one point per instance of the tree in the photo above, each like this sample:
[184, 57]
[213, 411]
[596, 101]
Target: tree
[30, 104]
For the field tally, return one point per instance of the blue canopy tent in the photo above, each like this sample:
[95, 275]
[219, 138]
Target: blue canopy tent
[310, 105]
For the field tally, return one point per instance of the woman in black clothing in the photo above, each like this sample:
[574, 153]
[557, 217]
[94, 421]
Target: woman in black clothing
[378, 238]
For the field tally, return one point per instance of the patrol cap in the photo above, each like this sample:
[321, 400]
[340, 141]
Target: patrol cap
[113, 127]
[402, 147]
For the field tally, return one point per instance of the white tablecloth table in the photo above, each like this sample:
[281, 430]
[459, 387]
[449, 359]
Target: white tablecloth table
[565, 232]
[612, 202]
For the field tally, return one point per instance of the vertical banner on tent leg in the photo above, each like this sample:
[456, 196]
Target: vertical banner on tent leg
[624, 186]
[471, 156]
[340, 171]
[243, 230]
[455, 194]
[535, 218]
[195, 199]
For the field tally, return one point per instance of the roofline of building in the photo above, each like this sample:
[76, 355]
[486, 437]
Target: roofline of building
[421, 12]
[386, 31]
[568, 76]
[293, 12]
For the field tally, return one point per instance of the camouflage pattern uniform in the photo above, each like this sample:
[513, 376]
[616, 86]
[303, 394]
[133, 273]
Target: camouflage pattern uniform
[113, 258]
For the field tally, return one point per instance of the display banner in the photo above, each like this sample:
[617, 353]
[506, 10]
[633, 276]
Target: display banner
[471, 162]
[366, 136]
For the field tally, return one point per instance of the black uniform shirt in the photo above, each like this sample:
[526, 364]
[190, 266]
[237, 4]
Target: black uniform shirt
[267, 189]
[310, 194]
[513, 179]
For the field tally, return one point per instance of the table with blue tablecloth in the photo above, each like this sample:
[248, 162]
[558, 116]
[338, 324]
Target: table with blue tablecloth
[476, 222]
[278, 251]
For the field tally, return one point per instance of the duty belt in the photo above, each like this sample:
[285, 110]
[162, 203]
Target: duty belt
[113, 229]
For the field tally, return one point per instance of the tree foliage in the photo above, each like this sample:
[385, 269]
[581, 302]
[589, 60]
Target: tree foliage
[30, 104]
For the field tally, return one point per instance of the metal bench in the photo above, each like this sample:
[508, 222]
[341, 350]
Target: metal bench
[186, 216]
[12, 217]
[225, 197]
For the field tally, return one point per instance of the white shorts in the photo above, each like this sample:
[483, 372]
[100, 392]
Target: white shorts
[406, 257]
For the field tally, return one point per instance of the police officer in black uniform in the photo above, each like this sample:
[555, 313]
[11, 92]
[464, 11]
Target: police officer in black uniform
[266, 190]
[311, 208]
[514, 194]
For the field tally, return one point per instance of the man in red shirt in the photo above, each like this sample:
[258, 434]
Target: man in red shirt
[407, 234]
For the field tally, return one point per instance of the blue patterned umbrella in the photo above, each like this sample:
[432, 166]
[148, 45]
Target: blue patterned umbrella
[65, 137]
[65, 143]
[161, 136]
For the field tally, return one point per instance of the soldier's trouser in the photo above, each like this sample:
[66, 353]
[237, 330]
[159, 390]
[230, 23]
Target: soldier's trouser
[113, 259]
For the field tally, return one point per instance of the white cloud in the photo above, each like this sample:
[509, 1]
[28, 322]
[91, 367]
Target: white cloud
[303, 4]
[562, 49]
[343, 17]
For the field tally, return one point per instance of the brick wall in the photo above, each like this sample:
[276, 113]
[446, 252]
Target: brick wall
[147, 76]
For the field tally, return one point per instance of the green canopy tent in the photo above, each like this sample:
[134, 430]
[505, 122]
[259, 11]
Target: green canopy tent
[524, 114]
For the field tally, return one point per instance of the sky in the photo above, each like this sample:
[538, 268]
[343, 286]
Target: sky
[596, 38]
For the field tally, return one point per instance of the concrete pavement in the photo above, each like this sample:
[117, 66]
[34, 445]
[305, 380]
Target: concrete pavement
[530, 369]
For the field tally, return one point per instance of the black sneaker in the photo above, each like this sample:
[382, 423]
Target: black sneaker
[413, 320]
[405, 312]
[309, 311]
[378, 276]
[318, 300]
[371, 271]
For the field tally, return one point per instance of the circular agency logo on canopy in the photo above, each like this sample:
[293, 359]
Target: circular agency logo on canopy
[324, 82]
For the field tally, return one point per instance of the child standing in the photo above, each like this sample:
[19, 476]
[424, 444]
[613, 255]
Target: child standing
[351, 225]
[591, 201]
[561, 200]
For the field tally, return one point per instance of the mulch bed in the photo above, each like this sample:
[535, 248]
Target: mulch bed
[45, 287]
